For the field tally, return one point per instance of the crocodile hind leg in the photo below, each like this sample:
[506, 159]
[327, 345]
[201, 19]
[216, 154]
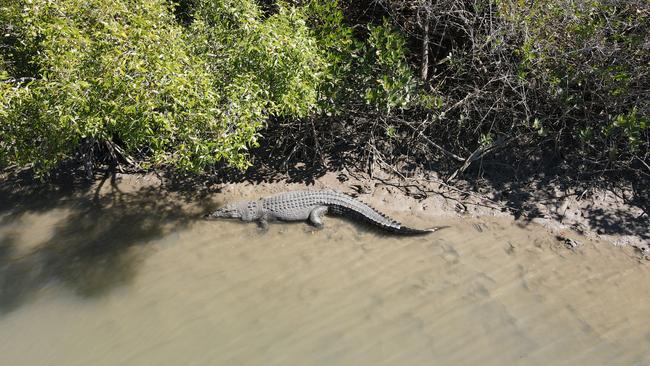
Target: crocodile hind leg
[316, 216]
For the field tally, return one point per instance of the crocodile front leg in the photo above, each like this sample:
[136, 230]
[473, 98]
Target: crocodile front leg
[316, 216]
[263, 222]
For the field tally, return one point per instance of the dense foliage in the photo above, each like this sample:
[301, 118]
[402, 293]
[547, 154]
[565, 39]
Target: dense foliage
[126, 78]
[567, 77]
[194, 82]
[589, 64]
[118, 73]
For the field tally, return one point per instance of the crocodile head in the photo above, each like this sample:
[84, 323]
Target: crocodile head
[230, 211]
[245, 211]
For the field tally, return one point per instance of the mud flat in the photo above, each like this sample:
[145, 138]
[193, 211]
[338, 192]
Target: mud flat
[126, 272]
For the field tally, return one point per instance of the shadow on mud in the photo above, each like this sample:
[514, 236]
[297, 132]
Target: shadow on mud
[549, 182]
[92, 248]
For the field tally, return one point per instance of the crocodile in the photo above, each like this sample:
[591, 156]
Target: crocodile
[312, 206]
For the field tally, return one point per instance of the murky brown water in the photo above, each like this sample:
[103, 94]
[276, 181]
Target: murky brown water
[133, 278]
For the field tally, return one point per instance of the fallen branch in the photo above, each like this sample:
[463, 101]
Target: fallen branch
[428, 140]
[476, 155]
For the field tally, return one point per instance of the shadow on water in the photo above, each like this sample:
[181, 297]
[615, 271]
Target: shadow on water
[92, 247]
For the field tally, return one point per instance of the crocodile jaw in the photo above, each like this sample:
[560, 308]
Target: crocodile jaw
[226, 212]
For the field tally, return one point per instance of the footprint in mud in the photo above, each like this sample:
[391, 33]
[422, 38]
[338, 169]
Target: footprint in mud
[529, 283]
[584, 325]
[308, 294]
[436, 247]
[450, 255]
[480, 287]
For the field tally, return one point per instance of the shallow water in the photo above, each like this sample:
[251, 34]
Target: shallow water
[135, 278]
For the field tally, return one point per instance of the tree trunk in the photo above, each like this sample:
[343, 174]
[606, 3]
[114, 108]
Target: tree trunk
[425, 42]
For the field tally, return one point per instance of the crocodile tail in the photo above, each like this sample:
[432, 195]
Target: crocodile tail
[410, 231]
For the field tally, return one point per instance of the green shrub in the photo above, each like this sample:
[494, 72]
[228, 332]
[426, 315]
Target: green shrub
[388, 77]
[118, 72]
[587, 62]
[368, 66]
[273, 65]
[338, 90]
[82, 77]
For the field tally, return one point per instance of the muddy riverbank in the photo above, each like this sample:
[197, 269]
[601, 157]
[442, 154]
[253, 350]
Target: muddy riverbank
[610, 215]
